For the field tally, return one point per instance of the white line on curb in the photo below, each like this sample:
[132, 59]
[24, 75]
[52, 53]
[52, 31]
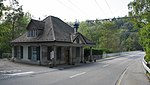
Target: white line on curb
[23, 73]
[77, 74]
[146, 68]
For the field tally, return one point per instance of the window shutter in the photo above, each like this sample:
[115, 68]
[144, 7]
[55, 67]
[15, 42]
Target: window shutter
[21, 48]
[38, 52]
[15, 51]
[29, 53]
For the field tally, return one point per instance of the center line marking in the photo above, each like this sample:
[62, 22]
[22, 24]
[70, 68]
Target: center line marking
[77, 74]
[121, 77]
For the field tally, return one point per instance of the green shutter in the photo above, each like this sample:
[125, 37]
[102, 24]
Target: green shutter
[21, 48]
[38, 52]
[29, 53]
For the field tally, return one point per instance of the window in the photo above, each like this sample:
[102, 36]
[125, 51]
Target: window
[18, 52]
[34, 53]
[32, 33]
[58, 51]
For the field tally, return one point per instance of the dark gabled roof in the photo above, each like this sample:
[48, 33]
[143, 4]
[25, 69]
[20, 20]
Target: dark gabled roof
[54, 29]
[62, 31]
[86, 41]
[35, 24]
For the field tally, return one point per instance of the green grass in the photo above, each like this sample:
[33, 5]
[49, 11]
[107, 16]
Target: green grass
[147, 57]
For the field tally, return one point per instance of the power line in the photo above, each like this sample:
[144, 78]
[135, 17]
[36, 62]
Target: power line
[109, 7]
[83, 12]
[75, 5]
[78, 8]
[99, 7]
[63, 4]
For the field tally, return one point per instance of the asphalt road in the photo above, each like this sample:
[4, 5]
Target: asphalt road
[124, 70]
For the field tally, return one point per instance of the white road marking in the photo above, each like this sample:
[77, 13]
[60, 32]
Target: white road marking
[121, 77]
[106, 65]
[23, 73]
[10, 71]
[77, 74]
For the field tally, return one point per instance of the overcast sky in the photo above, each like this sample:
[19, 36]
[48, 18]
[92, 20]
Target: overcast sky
[70, 10]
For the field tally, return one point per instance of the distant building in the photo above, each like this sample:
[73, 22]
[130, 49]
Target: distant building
[50, 41]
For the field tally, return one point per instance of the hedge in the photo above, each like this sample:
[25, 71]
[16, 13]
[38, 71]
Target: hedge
[95, 51]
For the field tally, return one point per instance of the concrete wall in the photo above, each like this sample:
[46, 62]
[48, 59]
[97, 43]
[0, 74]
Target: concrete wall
[12, 52]
[76, 58]
[62, 61]
[25, 53]
[74, 54]
[43, 55]
[43, 52]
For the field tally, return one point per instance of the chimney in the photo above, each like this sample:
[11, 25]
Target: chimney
[76, 26]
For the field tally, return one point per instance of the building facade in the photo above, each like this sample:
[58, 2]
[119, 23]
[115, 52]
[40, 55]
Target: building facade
[50, 41]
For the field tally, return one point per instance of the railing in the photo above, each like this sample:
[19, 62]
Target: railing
[145, 66]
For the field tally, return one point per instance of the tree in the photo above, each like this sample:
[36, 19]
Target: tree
[102, 34]
[117, 35]
[140, 9]
[145, 40]
[13, 25]
[2, 8]
[13, 16]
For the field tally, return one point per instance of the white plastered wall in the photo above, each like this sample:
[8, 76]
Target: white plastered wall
[25, 52]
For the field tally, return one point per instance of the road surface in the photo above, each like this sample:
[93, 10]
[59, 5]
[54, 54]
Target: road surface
[126, 69]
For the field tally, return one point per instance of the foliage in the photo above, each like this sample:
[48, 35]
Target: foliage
[13, 25]
[94, 51]
[145, 40]
[141, 9]
[2, 8]
[115, 36]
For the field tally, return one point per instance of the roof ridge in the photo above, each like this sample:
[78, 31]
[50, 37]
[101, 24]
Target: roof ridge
[51, 21]
[83, 37]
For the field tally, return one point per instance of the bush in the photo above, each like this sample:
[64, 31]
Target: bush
[94, 51]
[147, 57]
[97, 52]
[1, 53]
[6, 55]
[86, 52]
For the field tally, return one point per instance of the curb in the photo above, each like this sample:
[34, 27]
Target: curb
[41, 72]
[110, 58]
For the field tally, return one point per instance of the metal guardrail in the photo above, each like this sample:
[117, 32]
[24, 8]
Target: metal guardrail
[145, 66]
